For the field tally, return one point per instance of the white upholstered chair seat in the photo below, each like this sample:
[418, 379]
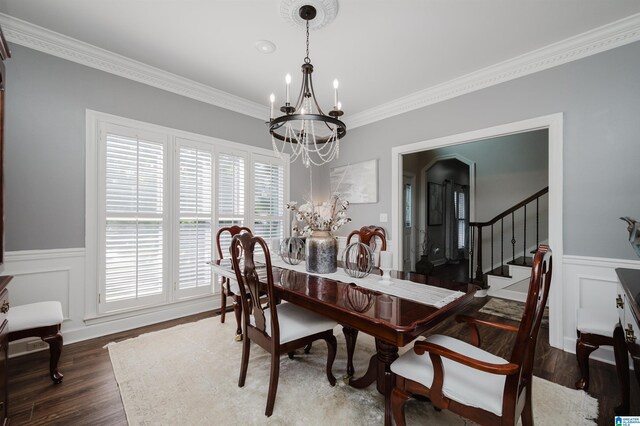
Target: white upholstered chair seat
[233, 285]
[461, 383]
[34, 315]
[296, 322]
[597, 321]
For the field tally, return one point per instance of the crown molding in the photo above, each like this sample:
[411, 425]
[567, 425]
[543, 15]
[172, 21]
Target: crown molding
[598, 40]
[47, 41]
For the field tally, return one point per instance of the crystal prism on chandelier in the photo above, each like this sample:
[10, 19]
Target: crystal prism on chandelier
[305, 128]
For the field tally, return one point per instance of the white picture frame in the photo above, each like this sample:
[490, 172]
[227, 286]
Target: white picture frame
[358, 183]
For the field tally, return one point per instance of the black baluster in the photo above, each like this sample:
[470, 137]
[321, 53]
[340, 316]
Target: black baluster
[491, 266]
[502, 243]
[513, 238]
[524, 238]
[537, 222]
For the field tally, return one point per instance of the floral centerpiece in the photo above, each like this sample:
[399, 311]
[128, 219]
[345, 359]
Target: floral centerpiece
[321, 248]
[327, 216]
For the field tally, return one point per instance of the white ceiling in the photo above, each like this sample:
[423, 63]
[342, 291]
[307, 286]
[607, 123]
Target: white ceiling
[379, 50]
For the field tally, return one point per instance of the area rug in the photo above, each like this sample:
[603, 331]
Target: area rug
[188, 375]
[510, 309]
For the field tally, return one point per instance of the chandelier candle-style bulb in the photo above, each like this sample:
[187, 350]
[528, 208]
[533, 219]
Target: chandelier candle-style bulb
[304, 129]
[287, 80]
[272, 98]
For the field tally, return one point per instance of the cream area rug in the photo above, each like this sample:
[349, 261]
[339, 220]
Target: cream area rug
[188, 375]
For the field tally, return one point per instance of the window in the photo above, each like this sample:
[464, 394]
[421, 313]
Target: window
[134, 222]
[461, 217]
[407, 205]
[195, 187]
[155, 199]
[268, 199]
[231, 193]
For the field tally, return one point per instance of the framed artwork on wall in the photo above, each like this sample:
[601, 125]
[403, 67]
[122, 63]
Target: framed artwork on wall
[357, 182]
[435, 206]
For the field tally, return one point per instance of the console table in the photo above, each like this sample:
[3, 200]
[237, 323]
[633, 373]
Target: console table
[4, 347]
[627, 331]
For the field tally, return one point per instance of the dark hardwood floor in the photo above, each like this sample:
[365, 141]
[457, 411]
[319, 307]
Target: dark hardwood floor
[89, 394]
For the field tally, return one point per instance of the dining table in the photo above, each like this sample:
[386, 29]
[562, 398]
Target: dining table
[394, 311]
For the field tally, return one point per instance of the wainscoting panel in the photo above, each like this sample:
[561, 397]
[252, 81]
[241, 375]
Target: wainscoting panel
[59, 274]
[589, 282]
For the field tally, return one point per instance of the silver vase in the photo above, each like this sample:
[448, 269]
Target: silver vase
[321, 250]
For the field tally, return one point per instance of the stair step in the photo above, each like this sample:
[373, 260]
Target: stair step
[500, 271]
[522, 261]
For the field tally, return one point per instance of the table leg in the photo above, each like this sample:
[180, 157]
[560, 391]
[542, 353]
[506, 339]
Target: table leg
[350, 337]
[622, 367]
[379, 371]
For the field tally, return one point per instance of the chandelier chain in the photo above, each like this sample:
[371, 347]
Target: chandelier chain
[306, 59]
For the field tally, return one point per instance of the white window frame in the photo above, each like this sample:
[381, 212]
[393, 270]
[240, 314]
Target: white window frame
[95, 212]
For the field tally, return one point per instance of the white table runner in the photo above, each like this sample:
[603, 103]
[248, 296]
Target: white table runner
[421, 293]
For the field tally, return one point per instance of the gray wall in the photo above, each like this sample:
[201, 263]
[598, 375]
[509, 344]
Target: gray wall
[46, 99]
[599, 97]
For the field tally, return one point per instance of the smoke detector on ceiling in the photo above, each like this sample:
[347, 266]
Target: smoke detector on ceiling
[326, 11]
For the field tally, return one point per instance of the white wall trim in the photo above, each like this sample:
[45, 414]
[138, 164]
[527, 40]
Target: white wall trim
[56, 44]
[589, 43]
[601, 262]
[554, 123]
[59, 274]
[606, 37]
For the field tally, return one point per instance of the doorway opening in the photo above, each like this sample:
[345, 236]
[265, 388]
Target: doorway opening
[552, 124]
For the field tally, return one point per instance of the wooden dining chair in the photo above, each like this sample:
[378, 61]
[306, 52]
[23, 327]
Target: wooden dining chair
[469, 381]
[277, 328]
[370, 235]
[229, 288]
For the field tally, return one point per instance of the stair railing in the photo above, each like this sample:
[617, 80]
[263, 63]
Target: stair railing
[475, 234]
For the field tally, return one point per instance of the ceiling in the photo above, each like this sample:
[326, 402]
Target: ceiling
[379, 50]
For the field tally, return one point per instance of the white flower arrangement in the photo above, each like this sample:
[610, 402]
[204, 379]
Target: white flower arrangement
[327, 216]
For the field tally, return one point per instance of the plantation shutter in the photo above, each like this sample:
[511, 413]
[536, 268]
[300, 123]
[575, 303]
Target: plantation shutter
[231, 194]
[268, 200]
[195, 187]
[134, 220]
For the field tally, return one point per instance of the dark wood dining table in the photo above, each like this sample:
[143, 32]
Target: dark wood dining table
[393, 321]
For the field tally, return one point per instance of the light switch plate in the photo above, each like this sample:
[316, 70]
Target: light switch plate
[383, 217]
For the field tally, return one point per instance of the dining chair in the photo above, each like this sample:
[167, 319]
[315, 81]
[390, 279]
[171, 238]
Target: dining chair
[229, 288]
[469, 381]
[277, 328]
[369, 235]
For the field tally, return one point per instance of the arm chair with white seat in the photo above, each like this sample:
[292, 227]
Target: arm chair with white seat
[470, 381]
[277, 328]
[229, 288]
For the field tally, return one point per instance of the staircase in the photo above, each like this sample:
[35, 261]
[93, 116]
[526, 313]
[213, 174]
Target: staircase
[511, 280]
[502, 273]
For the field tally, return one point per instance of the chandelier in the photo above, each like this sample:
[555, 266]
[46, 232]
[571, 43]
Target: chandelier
[304, 127]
